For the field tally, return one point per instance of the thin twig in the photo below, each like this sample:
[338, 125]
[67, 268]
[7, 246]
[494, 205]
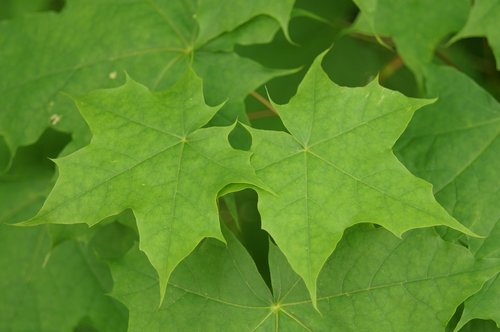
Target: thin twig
[263, 101]
[260, 114]
[391, 67]
[441, 56]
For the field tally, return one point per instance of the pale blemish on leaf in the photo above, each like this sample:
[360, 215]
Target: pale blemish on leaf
[55, 119]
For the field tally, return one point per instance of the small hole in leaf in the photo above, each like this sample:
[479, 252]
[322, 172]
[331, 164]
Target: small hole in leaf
[240, 138]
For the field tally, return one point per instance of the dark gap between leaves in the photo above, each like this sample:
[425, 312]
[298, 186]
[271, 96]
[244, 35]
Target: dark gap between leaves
[238, 211]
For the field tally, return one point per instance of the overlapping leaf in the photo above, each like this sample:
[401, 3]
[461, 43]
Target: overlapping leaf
[59, 289]
[418, 26]
[91, 43]
[25, 186]
[373, 282]
[148, 154]
[483, 21]
[336, 168]
[455, 145]
[216, 288]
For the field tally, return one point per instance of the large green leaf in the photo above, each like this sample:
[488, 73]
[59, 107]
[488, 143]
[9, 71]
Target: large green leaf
[373, 282]
[454, 144]
[376, 282]
[148, 154]
[59, 289]
[215, 288]
[92, 43]
[416, 26]
[336, 168]
[483, 21]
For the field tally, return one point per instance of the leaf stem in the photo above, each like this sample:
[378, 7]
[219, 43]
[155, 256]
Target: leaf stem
[263, 101]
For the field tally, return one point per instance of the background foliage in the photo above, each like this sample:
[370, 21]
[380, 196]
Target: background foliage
[257, 166]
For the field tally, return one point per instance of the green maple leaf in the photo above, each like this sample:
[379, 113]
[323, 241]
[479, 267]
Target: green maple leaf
[53, 289]
[92, 43]
[336, 168]
[215, 288]
[483, 21]
[454, 144]
[373, 282]
[417, 28]
[376, 282]
[149, 154]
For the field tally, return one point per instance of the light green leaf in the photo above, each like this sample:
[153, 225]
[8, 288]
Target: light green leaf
[149, 154]
[483, 21]
[416, 26]
[336, 168]
[455, 145]
[92, 43]
[57, 289]
[218, 288]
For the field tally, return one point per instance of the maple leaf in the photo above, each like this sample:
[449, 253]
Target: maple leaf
[417, 28]
[53, 289]
[336, 168]
[91, 43]
[218, 287]
[483, 21]
[149, 154]
[376, 282]
[454, 145]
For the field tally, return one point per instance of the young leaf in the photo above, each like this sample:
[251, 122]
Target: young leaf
[336, 168]
[483, 21]
[149, 154]
[92, 43]
[418, 26]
